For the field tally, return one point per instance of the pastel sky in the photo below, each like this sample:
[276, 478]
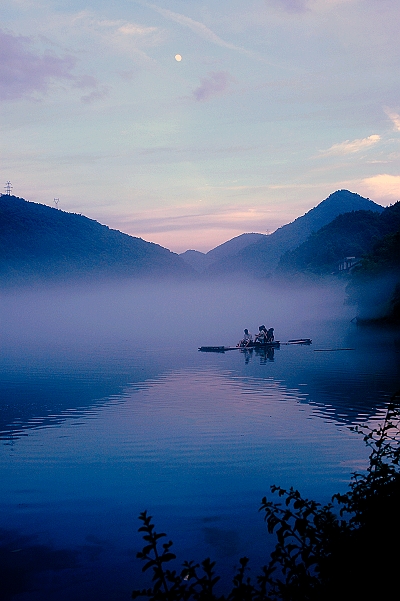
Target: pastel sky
[274, 105]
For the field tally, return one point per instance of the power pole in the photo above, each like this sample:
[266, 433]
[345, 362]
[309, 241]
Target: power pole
[56, 201]
[8, 187]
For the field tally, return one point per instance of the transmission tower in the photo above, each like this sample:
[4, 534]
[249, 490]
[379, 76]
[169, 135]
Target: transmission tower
[8, 187]
[56, 201]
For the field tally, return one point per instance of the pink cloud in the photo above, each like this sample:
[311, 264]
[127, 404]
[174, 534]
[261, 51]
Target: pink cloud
[24, 72]
[214, 84]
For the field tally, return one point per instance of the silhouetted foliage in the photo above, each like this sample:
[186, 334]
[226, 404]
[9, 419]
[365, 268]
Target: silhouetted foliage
[347, 549]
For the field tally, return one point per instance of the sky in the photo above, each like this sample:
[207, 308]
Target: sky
[189, 122]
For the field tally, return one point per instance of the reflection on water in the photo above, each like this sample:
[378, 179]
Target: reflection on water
[263, 354]
[95, 430]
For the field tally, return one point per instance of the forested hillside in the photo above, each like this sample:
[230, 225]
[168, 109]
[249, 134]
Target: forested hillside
[41, 242]
[350, 234]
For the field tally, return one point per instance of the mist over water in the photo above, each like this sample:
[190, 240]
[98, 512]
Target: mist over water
[191, 314]
[108, 408]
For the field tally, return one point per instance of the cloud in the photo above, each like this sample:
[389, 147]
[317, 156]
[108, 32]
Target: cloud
[394, 117]
[383, 186]
[215, 84]
[350, 147]
[302, 6]
[127, 37]
[200, 29]
[124, 27]
[323, 5]
[197, 215]
[98, 94]
[137, 30]
[202, 228]
[25, 72]
[293, 6]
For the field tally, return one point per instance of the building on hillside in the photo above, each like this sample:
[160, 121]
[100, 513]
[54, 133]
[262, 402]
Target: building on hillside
[348, 263]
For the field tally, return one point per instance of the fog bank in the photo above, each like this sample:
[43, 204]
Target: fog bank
[165, 314]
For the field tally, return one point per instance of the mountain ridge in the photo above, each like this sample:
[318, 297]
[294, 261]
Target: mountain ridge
[200, 261]
[41, 242]
[38, 241]
[261, 258]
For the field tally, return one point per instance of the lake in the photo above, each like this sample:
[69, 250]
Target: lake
[108, 408]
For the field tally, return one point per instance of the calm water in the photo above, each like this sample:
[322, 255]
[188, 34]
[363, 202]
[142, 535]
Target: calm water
[107, 409]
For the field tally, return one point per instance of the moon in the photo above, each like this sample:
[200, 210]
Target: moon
[178, 58]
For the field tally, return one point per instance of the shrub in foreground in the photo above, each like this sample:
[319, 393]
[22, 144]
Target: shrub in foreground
[347, 549]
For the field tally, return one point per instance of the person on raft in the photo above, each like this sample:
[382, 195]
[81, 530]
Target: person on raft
[264, 336]
[247, 338]
[270, 335]
[261, 337]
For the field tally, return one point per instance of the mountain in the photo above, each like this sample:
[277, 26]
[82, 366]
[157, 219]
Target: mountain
[201, 261]
[234, 246]
[37, 241]
[262, 257]
[196, 259]
[41, 242]
[350, 234]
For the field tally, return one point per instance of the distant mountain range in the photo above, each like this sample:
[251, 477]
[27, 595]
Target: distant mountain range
[38, 242]
[258, 255]
[41, 242]
[201, 261]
